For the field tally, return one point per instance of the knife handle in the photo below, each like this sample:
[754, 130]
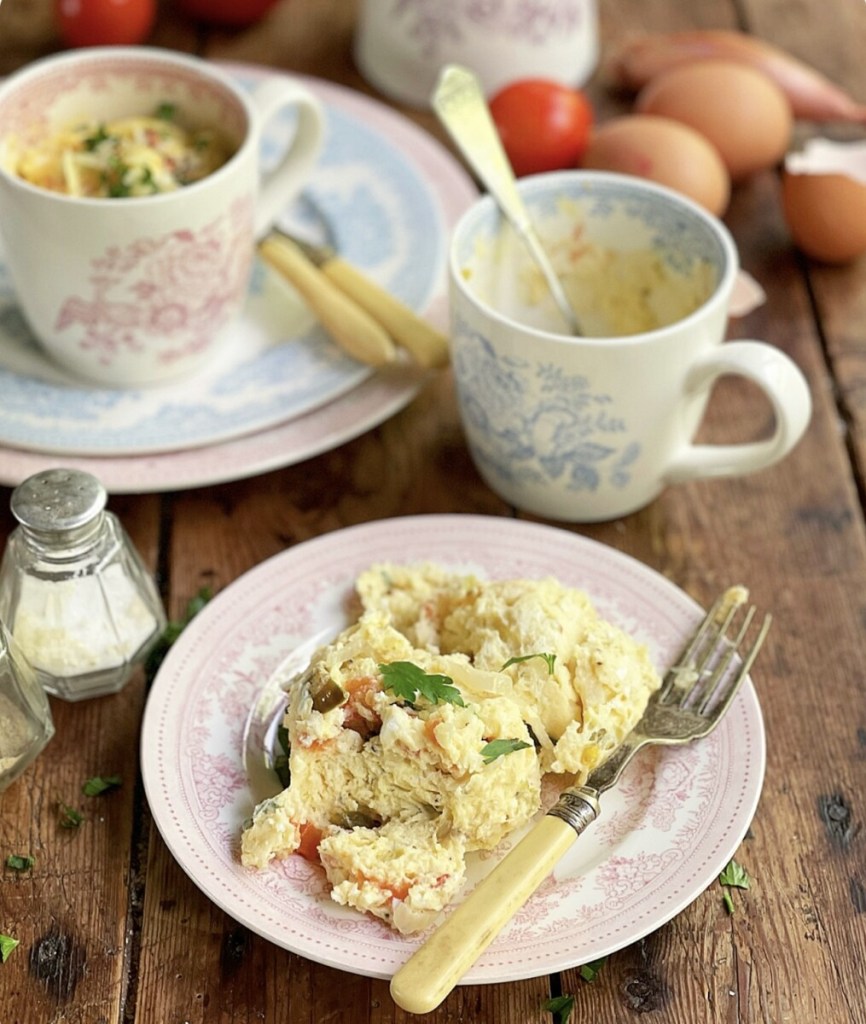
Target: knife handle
[350, 326]
[437, 966]
[427, 346]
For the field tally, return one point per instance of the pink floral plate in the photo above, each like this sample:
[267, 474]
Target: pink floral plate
[664, 834]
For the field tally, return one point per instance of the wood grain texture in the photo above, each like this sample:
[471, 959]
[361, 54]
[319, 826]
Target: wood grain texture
[113, 932]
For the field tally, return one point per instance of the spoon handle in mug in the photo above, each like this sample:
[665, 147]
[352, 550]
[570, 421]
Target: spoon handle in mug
[462, 108]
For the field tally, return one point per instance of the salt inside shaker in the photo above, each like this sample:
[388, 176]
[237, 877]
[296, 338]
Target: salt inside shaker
[74, 592]
[25, 717]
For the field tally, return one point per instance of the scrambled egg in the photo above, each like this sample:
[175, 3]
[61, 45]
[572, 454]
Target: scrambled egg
[422, 732]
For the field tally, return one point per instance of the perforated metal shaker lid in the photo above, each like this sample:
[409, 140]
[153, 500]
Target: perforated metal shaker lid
[58, 499]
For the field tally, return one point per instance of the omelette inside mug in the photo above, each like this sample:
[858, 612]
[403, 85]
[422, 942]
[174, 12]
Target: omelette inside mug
[136, 290]
[584, 429]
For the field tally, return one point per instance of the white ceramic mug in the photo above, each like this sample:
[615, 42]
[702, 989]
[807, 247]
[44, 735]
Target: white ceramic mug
[401, 45]
[133, 291]
[583, 429]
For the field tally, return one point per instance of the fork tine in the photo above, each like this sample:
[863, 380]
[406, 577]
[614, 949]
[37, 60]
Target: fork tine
[723, 699]
[701, 694]
[689, 676]
[686, 661]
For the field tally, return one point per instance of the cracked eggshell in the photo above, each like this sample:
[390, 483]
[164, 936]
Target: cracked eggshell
[824, 200]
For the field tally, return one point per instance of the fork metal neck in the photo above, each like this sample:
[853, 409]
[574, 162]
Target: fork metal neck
[577, 807]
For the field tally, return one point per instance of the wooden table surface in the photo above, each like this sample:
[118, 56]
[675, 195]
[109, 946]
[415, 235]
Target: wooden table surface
[111, 929]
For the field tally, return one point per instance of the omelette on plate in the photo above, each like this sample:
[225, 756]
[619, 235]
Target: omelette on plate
[422, 732]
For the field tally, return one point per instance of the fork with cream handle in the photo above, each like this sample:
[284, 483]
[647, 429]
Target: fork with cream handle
[691, 701]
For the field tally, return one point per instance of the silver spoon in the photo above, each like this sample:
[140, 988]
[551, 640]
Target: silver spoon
[460, 105]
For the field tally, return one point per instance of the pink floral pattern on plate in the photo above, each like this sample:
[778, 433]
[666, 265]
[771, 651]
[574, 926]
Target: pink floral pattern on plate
[665, 831]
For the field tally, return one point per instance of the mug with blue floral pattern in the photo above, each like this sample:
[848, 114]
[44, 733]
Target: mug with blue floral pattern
[592, 427]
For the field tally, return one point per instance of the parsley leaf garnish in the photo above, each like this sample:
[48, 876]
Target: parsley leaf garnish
[410, 682]
[166, 111]
[69, 817]
[17, 862]
[99, 784]
[92, 141]
[496, 748]
[549, 658]
[734, 876]
[7, 944]
[560, 1007]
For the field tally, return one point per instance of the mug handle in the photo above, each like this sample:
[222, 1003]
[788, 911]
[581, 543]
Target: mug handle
[782, 382]
[284, 181]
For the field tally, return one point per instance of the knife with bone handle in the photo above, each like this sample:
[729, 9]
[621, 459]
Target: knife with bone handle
[360, 315]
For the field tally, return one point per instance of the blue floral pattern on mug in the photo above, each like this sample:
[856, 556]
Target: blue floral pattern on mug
[532, 423]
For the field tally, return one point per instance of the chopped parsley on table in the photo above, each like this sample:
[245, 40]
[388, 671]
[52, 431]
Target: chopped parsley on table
[17, 862]
[173, 630]
[590, 971]
[69, 817]
[99, 784]
[734, 876]
[560, 1007]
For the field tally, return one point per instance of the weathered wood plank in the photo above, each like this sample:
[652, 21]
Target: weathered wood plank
[72, 913]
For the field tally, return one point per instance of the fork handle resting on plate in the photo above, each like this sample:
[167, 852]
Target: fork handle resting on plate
[429, 975]
[691, 701]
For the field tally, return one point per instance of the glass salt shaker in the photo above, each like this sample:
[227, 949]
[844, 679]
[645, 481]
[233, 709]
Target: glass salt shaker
[74, 592]
[25, 717]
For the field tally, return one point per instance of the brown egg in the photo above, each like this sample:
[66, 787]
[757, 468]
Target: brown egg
[663, 151]
[738, 108]
[826, 214]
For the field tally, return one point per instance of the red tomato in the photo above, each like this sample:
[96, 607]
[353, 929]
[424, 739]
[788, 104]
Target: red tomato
[544, 126]
[105, 22]
[229, 13]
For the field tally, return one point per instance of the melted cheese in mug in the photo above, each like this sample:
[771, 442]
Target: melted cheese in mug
[131, 156]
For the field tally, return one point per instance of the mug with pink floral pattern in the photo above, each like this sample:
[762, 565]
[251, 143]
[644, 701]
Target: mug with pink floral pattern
[133, 290]
[401, 45]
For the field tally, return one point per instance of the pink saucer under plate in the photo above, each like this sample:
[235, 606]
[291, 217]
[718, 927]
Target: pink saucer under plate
[664, 834]
[370, 403]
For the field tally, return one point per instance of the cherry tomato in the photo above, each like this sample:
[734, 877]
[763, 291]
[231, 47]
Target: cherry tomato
[544, 125]
[105, 22]
[229, 13]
